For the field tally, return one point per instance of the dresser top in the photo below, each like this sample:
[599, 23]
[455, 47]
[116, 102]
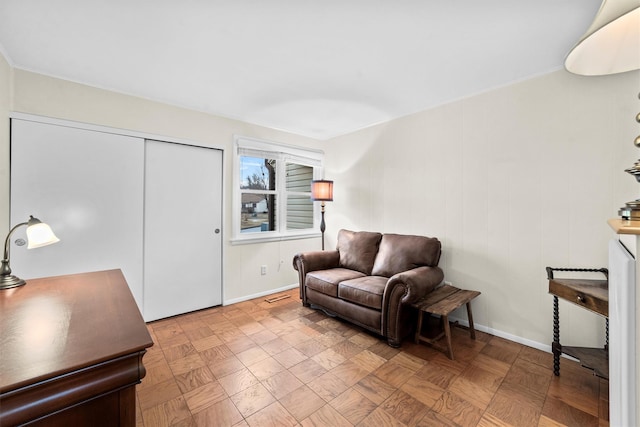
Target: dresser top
[55, 325]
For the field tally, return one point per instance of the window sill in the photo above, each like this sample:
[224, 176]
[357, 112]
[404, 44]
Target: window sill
[272, 238]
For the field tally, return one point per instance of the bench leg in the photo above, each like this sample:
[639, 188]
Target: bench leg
[447, 333]
[470, 316]
[419, 327]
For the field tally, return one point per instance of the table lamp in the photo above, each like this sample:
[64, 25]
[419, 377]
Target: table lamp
[38, 234]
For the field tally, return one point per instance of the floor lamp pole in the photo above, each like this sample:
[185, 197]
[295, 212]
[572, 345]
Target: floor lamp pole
[322, 225]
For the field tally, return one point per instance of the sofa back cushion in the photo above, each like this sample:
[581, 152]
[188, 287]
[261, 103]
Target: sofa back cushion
[398, 253]
[358, 249]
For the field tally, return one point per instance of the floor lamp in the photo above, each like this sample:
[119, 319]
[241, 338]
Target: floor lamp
[322, 191]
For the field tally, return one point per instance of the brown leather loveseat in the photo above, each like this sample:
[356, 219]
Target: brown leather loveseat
[370, 278]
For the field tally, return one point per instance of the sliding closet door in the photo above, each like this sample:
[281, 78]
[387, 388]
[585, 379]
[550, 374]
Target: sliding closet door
[182, 237]
[88, 186]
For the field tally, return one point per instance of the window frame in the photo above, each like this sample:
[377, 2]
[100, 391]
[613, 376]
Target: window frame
[282, 153]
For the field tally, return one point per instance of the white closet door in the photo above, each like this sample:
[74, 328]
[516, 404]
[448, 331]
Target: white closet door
[182, 237]
[88, 186]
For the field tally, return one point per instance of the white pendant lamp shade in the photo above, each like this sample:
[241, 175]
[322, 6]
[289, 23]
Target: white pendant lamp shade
[612, 44]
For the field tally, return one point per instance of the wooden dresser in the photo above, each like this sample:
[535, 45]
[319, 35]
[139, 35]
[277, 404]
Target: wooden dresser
[71, 351]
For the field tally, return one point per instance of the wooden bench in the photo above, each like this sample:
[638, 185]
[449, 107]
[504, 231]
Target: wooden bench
[442, 302]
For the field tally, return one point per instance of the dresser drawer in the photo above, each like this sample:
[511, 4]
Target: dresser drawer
[590, 294]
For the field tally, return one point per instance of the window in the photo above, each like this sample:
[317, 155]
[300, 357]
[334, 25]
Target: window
[272, 190]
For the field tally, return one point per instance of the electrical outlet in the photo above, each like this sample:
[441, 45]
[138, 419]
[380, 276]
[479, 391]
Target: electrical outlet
[263, 270]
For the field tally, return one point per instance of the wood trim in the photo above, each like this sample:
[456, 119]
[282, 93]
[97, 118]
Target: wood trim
[622, 226]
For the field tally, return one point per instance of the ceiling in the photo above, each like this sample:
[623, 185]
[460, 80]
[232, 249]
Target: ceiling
[318, 68]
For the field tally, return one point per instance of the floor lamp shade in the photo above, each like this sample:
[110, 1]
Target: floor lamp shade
[611, 44]
[322, 190]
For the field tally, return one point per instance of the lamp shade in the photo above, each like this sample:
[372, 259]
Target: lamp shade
[611, 45]
[322, 190]
[39, 234]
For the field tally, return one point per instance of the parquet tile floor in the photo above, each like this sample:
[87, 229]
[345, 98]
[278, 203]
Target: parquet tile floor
[265, 364]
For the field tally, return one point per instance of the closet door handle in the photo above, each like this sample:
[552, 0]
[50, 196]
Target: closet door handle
[217, 231]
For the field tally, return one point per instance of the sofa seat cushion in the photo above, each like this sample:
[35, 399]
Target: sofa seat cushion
[366, 291]
[326, 281]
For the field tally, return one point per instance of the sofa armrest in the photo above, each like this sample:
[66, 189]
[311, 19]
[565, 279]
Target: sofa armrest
[312, 261]
[418, 281]
[401, 289]
[316, 260]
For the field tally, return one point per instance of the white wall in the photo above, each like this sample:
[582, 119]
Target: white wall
[5, 105]
[51, 97]
[510, 181]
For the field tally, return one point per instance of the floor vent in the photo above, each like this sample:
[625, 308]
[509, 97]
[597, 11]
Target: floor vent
[277, 298]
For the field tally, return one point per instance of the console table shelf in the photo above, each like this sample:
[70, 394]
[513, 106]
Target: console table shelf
[596, 359]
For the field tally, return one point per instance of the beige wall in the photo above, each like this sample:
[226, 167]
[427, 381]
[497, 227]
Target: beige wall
[5, 106]
[511, 181]
[46, 96]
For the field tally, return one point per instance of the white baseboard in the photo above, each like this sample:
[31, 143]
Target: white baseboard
[505, 335]
[501, 334]
[529, 343]
[259, 294]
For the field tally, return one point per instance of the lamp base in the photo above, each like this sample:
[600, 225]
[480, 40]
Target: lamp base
[10, 281]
